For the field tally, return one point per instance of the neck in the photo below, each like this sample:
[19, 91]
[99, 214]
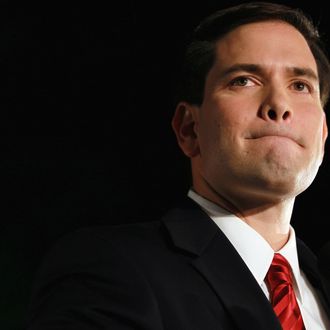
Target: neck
[271, 222]
[270, 218]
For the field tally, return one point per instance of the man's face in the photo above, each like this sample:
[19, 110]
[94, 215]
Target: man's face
[261, 128]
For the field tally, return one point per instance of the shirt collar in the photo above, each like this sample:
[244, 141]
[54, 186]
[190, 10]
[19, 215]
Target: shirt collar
[249, 242]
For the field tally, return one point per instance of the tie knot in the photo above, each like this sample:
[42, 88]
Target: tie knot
[279, 272]
[282, 296]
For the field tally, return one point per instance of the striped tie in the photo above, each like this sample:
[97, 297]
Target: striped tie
[279, 281]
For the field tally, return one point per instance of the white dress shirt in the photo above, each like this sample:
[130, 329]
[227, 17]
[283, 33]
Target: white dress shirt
[249, 244]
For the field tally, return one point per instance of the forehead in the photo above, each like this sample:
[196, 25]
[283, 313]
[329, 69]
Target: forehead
[271, 43]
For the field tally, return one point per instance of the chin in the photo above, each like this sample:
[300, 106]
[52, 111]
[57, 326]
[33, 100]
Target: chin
[279, 182]
[287, 184]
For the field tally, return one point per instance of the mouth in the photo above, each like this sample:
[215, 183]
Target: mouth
[276, 135]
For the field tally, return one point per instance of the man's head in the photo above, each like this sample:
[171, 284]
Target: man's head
[254, 125]
[200, 53]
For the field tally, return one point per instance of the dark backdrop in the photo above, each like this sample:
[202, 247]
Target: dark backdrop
[86, 96]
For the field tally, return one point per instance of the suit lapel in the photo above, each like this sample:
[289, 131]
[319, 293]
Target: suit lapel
[216, 259]
[309, 265]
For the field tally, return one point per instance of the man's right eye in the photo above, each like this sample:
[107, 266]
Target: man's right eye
[241, 81]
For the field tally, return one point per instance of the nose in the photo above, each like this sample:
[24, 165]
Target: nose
[275, 107]
[276, 114]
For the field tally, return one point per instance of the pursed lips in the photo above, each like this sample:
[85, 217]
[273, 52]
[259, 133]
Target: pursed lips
[272, 133]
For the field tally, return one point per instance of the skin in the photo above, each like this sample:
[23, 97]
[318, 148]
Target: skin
[258, 138]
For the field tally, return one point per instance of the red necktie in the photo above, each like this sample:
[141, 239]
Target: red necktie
[283, 299]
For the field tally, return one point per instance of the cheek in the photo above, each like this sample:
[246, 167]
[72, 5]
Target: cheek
[226, 118]
[237, 109]
[313, 130]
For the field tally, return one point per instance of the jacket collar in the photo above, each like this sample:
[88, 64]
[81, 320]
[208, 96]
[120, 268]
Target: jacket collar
[192, 231]
[309, 264]
[190, 228]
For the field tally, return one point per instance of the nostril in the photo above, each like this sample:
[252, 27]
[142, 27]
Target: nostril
[272, 114]
[286, 115]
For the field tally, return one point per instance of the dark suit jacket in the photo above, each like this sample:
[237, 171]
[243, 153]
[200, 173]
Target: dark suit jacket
[179, 273]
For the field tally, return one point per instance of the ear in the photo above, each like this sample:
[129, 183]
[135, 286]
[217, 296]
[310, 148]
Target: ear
[324, 133]
[325, 129]
[184, 124]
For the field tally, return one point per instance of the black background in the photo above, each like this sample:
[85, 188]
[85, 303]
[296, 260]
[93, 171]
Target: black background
[86, 99]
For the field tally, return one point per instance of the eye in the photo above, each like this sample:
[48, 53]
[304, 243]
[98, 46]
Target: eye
[301, 86]
[242, 82]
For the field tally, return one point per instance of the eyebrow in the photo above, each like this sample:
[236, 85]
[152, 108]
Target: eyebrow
[255, 68]
[305, 72]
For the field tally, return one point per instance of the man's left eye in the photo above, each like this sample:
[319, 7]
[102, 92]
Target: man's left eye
[301, 86]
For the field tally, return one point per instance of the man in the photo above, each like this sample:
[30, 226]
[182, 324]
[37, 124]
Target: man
[250, 118]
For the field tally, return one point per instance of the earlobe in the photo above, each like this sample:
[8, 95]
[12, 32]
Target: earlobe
[184, 124]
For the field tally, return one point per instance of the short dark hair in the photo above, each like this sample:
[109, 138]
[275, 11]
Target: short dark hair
[200, 53]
